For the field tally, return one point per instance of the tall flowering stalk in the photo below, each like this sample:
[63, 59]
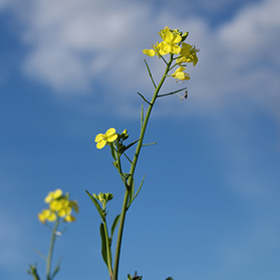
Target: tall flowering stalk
[60, 210]
[60, 207]
[179, 55]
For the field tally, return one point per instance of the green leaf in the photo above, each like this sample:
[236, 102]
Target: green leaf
[56, 269]
[103, 243]
[113, 151]
[40, 254]
[141, 184]
[33, 271]
[130, 145]
[132, 199]
[131, 192]
[99, 209]
[169, 278]
[114, 225]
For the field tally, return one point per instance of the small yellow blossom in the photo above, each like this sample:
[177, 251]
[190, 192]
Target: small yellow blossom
[179, 74]
[53, 195]
[70, 218]
[47, 214]
[109, 137]
[170, 42]
[188, 54]
[154, 51]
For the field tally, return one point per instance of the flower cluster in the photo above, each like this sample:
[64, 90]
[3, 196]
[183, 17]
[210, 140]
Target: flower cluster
[59, 207]
[170, 44]
[103, 198]
[173, 44]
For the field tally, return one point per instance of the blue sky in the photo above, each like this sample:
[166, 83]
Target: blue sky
[209, 207]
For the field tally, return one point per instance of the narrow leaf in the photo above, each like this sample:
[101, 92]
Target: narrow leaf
[95, 202]
[131, 194]
[103, 244]
[113, 151]
[141, 184]
[33, 271]
[114, 225]
[40, 254]
[57, 268]
[131, 200]
[130, 145]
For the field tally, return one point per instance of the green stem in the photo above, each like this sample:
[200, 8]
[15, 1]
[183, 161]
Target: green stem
[132, 170]
[108, 250]
[49, 259]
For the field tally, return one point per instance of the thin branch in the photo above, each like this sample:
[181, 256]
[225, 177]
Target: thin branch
[143, 98]
[150, 74]
[171, 93]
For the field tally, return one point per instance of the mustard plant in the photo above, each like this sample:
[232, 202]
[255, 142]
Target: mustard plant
[179, 54]
[59, 211]
[175, 55]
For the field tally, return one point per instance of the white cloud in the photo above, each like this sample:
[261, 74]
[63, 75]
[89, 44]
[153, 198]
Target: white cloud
[76, 44]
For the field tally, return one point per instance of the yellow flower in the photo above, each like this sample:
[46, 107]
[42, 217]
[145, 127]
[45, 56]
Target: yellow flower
[179, 74]
[59, 206]
[170, 42]
[53, 195]
[188, 54]
[154, 51]
[47, 214]
[102, 139]
[69, 219]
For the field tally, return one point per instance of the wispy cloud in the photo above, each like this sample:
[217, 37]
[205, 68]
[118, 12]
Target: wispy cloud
[74, 46]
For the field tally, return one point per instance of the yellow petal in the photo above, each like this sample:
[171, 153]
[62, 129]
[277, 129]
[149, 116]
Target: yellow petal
[110, 132]
[41, 218]
[49, 197]
[69, 218]
[55, 205]
[57, 193]
[52, 217]
[112, 138]
[176, 49]
[150, 52]
[99, 137]
[61, 213]
[177, 39]
[101, 144]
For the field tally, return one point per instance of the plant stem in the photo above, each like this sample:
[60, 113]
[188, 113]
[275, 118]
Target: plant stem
[132, 170]
[49, 259]
[108, 249]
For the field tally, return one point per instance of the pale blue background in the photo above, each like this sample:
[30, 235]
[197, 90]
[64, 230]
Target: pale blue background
[209, 207]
